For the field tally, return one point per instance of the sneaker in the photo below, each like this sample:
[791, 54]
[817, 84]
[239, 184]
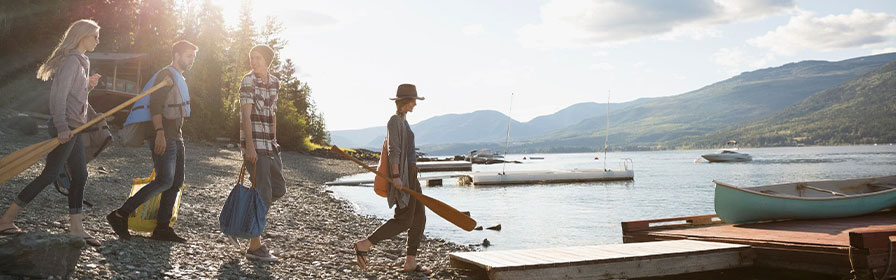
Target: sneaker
[261, 254]
[167, 234]
[119, 225]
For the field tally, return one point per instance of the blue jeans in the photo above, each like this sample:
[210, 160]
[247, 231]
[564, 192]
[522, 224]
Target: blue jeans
[71, 152]
[169, 178]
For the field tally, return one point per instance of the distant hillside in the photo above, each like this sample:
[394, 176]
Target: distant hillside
[484, 126]
[860, 111]
[744, 107]
[740, 100]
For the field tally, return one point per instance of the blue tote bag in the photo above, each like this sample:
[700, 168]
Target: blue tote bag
[244, 211]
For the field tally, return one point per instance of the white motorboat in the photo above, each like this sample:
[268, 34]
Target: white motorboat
[728, 154]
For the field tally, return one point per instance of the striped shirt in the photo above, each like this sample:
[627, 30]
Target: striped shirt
[263, 96]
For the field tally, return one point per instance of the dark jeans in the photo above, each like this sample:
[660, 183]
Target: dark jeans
[71, 152]
[411, 218]
[169, 178]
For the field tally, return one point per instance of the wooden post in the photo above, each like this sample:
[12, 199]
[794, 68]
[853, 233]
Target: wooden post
[139, 85]
[115, 76]
[871, 253]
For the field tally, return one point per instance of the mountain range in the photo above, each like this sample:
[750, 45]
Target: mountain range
[802, 103]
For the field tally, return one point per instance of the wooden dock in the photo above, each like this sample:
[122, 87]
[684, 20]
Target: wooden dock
[369, 182]
[615, 261]
[440, 166]
[819, 246]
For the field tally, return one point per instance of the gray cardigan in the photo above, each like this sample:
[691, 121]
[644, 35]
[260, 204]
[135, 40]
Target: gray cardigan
[400, 139]
[68, 93]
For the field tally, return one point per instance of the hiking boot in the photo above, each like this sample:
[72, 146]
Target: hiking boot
[261, 254]
[167, 234]
[119, 225]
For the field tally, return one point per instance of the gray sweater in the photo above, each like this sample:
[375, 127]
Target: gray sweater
[68, 94]
[401, 151]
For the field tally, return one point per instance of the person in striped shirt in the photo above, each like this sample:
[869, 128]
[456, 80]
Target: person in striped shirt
[258, 136]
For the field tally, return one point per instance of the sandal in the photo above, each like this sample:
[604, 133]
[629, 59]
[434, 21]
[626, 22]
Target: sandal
[420, 269]
[11, 231]
[236, 242]
[361, 257]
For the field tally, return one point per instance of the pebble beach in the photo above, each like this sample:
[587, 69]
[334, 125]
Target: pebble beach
[309, 229]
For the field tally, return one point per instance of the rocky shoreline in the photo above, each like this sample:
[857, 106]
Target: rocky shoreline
[309, 229]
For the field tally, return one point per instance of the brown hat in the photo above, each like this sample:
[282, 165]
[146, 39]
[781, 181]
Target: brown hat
[406, 91]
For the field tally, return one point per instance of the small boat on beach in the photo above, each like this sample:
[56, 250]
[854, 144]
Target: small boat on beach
[728, 154]
[804, 200]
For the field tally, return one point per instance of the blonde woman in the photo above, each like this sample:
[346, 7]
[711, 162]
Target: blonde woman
[68, 67]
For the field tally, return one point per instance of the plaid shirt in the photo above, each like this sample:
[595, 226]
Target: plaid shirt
[253, 90]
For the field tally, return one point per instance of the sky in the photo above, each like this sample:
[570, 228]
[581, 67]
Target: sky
[532, 58]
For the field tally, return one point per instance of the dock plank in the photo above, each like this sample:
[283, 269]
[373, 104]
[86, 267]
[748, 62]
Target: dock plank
[607, 261]
[820, 246]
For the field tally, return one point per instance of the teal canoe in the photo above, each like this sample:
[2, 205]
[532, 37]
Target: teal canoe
[804, 200]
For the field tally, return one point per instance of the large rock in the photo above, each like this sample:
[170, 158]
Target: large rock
[40, 254]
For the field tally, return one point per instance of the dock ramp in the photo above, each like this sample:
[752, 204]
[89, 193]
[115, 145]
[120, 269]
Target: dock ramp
[615, 261]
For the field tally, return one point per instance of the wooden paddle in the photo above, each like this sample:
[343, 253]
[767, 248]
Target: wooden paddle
[13, 164]
[445, 211]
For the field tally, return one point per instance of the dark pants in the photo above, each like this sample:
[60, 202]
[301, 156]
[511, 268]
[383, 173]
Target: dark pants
[411, 218]
[169, 178]
[72, 153]
[267, 177]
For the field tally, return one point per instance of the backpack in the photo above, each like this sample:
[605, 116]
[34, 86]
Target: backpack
[138, 125]
[380, 185]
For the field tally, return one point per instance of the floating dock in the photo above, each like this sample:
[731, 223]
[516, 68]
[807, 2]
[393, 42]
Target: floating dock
[828, 246]
[545, 177]
[363, 182]
[440, 166]
[615, 261]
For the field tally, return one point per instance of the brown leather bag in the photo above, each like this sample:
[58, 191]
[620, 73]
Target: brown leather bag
[380, 185]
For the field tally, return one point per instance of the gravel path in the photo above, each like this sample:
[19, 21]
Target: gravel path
[309, 229]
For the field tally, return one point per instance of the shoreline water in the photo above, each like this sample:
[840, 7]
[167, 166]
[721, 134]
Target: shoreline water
[310, 229]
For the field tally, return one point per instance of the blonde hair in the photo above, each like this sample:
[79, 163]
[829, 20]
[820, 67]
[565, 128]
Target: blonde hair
[73, 36]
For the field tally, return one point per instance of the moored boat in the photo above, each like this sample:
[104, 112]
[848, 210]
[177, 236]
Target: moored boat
[804, 200]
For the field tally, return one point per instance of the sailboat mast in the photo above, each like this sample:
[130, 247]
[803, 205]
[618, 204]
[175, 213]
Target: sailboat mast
[607, 140]
[507, 139]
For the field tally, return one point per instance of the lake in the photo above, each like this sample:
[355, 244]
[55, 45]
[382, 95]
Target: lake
[667, 184]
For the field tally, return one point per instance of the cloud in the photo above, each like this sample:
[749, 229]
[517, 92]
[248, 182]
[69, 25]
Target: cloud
[804, 31]
[884, 50]
[735, 57]
[602, 66]
[473, 29]
[576, 23]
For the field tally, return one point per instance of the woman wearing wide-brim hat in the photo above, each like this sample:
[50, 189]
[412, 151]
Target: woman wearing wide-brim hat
[409, 213]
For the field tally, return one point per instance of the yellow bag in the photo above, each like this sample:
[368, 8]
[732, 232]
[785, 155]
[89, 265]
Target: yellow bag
[144, 218]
